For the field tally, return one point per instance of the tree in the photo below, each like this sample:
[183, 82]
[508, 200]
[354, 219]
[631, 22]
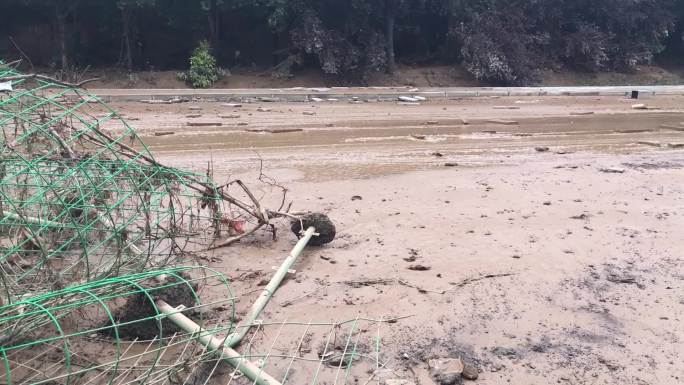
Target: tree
[127, 9]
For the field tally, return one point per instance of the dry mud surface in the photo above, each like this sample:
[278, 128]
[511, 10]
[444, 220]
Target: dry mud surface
[551, 247]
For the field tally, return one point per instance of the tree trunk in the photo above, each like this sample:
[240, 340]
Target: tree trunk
[126, 34]
[61, 33]
[214, 22]
[390, 16]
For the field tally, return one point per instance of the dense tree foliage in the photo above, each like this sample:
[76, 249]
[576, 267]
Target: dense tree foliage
[498, 41]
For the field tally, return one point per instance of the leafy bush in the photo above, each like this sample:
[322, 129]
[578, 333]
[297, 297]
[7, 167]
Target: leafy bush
[498, 47]
[203, 71]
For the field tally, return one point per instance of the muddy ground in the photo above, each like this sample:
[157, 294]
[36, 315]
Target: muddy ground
[551, 243]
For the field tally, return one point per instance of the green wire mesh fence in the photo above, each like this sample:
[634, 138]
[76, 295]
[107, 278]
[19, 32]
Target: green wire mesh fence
[113, 332]
[110, 331]
[81, 198]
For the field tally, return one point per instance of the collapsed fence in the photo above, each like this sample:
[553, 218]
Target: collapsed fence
[95, 240]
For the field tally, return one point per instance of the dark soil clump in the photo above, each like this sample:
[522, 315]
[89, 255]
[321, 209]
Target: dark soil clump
[138, 313]
[324, 227]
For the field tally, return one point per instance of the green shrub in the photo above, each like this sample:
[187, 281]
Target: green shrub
[203, 71]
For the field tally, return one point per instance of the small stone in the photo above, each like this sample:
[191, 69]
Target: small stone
[470, 372]
[446, 371]
[542, 149]
[356, 198]
[450, 164]
[419, 268]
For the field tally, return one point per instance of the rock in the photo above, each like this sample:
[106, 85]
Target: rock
[542, 149]
[450, 164]
[470, 372]
[310, 113]
[418, 136]
[356, 198]
[431, 122]
[419, 268]
[437, 154]
[446, 371]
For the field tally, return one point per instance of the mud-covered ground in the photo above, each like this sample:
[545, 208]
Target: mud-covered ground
[546, 247]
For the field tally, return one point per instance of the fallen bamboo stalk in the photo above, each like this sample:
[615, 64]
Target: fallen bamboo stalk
[226, 353]
[267, 293]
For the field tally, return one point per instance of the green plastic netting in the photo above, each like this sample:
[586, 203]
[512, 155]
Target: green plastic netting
[81, 198]
[110, 331]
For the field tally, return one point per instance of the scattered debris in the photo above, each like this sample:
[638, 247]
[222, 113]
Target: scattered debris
[232, 105]
[639, 107]
[274, 130]
[317, 100]
[581, 113]
[270, 100]
[542, 149]
[356, 198]
[431, 122]
[192, 116]
[582, 217]
[647, 143]
[502, 122]
[450, 164]
[229, 116]
[408, 104]
[419, 136]
[506, 108]
[204, 124]
[634, 131]
[621, 277]
[163, 133]
[671, 127]
[407, 99]
[612, 170]
[165, 101]
[437, 154]
[309, 113]
[675, 145]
